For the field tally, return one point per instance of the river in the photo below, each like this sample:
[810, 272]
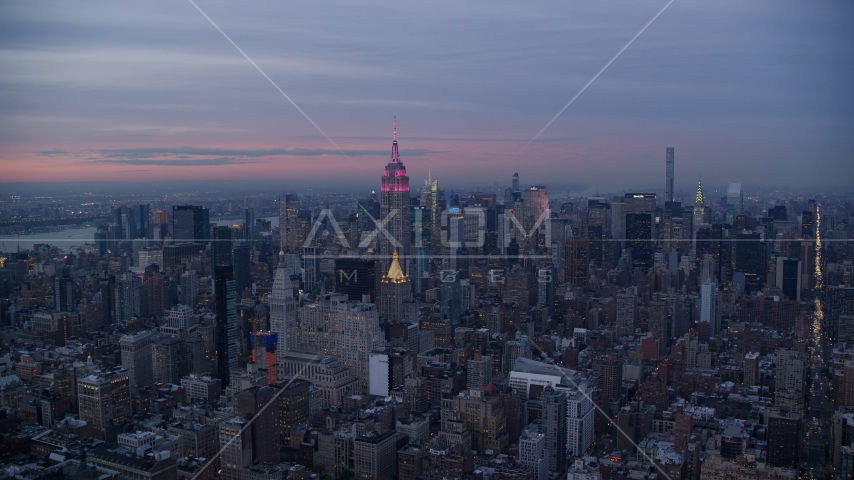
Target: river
[76, 237]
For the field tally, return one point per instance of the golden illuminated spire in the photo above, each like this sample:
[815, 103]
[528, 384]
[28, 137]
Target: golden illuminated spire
[395, 273]
[699, 199]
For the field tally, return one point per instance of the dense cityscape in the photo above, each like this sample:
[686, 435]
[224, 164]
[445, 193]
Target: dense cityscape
[428, 333]
[384, 240]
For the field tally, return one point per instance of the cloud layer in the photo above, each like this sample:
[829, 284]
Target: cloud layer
[757, 92]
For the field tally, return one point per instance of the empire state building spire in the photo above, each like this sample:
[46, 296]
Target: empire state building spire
[395, 156]
[394, 208]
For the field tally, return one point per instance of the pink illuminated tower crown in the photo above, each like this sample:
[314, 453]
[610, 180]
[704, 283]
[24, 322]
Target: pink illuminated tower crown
[395, 156]
[394, 206]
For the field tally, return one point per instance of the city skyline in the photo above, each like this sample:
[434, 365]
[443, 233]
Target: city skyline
[169, 98]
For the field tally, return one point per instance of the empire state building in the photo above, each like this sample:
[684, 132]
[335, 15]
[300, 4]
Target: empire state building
[394, 208]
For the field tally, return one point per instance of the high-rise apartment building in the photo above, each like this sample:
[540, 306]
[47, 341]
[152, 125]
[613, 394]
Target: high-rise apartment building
[790, 370]
[751, 369]
[225, 295]
[627, 312]
[553, 424]
[532, 452]
[611, 378]
[580, 414]
[709, 305]
[478, 371]
[128, 298]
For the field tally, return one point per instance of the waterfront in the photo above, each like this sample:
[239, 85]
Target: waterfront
[73, 237]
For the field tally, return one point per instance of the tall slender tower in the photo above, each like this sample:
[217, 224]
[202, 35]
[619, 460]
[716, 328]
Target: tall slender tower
[699, 206]
[394, 208]
[225, 294]
[283, 310]
[668, 195]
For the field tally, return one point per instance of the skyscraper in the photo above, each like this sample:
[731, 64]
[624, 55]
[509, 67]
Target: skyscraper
[190, 223]
[309, 268]
[222, 236]
[639, 239]
[553, 424]
[734, 202]
[750, 258]
[394, 209]
[264, 430]
[708, 304]
[784, 438]
[669, 195]
[535, 200]
[627, 312]
[788, 277]
[356, 277]
[189, 288]
[136, 357]
[141, 220]
[611, 378]
[395, 292]
[699, 206]
[291, 230]
[283, 310]
[249, 220]
[104, 400]
[576, 261]
[128, 297]
[241, 261]
[226, 321]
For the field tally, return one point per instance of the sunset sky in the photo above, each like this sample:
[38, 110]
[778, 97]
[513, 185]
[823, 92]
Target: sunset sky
[758, 92]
